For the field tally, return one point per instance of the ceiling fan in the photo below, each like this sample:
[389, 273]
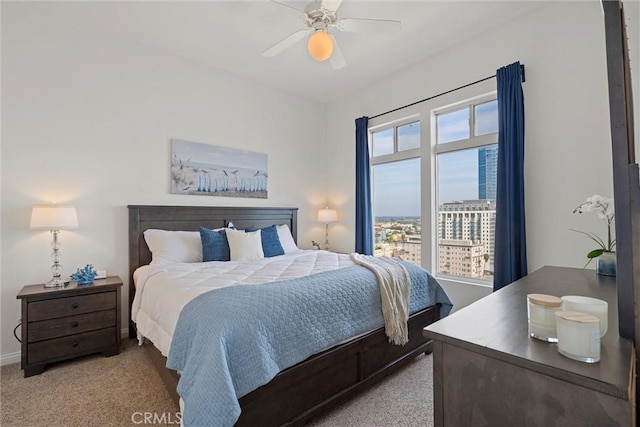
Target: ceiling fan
[320, 17]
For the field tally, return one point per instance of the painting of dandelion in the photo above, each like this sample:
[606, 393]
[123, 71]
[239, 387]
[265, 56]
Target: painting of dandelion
[211, 170]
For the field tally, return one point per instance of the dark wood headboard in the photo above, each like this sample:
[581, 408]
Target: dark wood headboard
[190, 218]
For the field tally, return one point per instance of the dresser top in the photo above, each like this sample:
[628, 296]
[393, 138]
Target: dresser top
[71, 289]
[497, 326]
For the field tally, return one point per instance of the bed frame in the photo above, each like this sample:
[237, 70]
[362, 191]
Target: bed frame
[310, 387]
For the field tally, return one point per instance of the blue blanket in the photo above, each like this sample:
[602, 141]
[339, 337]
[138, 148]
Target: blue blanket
[230, 341]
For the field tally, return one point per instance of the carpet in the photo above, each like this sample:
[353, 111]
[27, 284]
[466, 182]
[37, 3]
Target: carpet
[125, 390]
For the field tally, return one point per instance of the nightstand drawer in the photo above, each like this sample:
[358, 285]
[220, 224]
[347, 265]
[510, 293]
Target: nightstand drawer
[61, 307]
[70, 345]
[54, 328]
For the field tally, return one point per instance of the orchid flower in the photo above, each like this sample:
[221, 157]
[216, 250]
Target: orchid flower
[603, 208]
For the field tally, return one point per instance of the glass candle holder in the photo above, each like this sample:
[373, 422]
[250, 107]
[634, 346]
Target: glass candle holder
[578, 336]
[594, 306]
[541, 309]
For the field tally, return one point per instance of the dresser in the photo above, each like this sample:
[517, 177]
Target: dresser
[64, 323]
[489, 372]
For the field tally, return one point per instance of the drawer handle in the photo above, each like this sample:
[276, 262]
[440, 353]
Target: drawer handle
[74, 324]
[75, 305]
[74, 344]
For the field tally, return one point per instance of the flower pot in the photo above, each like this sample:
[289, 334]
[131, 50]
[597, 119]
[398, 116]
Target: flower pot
[606, 264]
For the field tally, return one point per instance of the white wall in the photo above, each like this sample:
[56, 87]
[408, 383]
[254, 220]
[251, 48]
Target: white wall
[87, 119]
[568, 154]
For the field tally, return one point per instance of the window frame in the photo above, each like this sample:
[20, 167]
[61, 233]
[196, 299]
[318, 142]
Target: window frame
[464, 289]
[396, 156]
[473, 142]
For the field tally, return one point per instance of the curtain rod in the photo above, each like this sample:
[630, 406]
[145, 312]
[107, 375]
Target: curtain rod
[444, 93]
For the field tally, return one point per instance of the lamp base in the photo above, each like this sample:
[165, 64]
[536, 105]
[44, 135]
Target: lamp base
[326, 236]
[56, 282]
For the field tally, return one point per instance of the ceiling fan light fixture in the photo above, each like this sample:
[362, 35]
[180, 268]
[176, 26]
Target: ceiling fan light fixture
[320, 45]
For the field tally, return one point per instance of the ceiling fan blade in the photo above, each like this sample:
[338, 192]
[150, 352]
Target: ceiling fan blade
[355, 25]
[286, 42]
[332, 5]
[337, 60]
[294, 11]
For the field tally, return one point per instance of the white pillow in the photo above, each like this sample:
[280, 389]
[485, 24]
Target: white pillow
[173, 246]
[286, 239]
[245, 246]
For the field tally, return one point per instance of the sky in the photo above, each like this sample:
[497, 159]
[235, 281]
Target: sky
[206, 154]
[396, 186]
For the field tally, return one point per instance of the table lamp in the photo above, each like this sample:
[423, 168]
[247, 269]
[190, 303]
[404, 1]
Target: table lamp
[54, 218]
[327, 215]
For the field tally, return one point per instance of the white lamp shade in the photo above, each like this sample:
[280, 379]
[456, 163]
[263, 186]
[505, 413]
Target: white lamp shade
[327, 215]
[53, 217]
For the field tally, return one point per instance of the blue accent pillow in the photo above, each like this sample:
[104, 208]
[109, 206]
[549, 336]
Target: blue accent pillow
[215, 246]
[270, 241]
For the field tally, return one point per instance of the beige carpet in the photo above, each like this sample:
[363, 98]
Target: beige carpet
[118, 390]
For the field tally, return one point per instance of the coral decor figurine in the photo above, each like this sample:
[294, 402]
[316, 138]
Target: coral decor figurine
[84, 276]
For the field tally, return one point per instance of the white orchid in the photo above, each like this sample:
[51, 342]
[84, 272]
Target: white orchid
[603, 207]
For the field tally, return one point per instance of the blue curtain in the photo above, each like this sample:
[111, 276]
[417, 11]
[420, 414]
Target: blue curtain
[510, 261]
[364, 222]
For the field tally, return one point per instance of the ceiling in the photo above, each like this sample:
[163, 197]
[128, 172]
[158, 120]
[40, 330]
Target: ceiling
[231, 35]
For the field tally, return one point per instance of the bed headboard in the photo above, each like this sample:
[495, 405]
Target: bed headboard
[190, 218]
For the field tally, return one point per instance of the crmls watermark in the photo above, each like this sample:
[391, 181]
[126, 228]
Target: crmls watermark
[150, 418]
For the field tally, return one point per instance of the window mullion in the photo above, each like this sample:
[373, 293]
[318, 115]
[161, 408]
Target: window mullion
[463, 144]
[395, 139]
[472, 122]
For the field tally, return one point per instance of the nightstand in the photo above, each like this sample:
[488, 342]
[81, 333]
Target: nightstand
[64, 323]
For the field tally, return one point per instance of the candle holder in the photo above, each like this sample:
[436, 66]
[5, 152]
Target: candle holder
[578, 336]
[541, 311]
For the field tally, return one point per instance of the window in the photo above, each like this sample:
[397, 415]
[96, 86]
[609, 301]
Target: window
[408, 136]
[396, 191]
[382, 142]
[466, 163]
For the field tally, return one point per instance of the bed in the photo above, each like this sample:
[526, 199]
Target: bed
[310, 387]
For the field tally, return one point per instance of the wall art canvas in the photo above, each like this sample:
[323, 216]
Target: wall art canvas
[211, 170]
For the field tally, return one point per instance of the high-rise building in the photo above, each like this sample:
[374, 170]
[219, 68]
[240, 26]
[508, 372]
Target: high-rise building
[487, 172]
[412, 249]
[460, 258]
[469, 220]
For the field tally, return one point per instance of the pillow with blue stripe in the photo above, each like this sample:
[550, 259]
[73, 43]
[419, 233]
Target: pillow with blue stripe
[271, 245]
[215, 246]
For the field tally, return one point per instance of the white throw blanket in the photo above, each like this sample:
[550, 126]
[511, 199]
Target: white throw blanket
[395, 286]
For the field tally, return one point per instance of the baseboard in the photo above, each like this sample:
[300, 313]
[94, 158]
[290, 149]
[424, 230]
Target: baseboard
[8, 359]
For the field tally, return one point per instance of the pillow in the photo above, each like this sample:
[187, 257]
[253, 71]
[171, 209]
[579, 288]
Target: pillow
[270, 241]
[173, 246]
[214, 245]
[286, 239]
[245, 246]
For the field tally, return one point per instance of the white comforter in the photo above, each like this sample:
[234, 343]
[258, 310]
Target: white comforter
[163, 290]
